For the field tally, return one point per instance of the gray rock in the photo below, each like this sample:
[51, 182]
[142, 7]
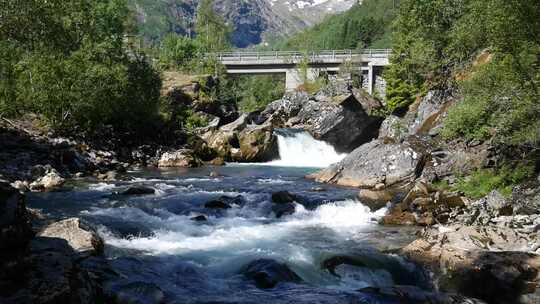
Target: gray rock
[431, 111]
[49, 181]
[108, 176]
[79, 236]
[375, 163]
[494, 264]
[257, 144]
[237, 125]
[340, 118]
[180, 158]
[393, 127]
[251, 143]
[498, 203]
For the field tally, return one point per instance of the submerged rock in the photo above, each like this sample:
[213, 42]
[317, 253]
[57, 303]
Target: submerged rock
[79, 236]
[138, 190]
[283, 209]
[283, 197]
[139, 292]
[413, 295]
[199, 218]
[225, 202]
[217, 204]
[267, 273]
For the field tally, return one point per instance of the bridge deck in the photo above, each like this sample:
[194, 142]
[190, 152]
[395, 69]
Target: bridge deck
[380, 56]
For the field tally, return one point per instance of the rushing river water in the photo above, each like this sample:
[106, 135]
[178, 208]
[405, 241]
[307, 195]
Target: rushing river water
[161, 253]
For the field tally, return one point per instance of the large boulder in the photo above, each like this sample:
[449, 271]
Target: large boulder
[267, 273]
[257, 144]
[494, 264]
[80, 237]
[56, 275]
[242, 141]
[375, 164]
[15, 229]
[179, 158]
[341, 120]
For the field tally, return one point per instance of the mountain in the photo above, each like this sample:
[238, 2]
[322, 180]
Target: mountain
[364, 25]
[254, 21]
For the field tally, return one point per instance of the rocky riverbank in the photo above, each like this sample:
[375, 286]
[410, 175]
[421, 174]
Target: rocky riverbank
[487, 248]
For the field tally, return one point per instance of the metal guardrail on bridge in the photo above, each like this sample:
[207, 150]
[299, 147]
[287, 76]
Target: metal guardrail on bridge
[265, 56]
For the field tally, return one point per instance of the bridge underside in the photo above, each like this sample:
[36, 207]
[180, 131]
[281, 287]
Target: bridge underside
[293, 76]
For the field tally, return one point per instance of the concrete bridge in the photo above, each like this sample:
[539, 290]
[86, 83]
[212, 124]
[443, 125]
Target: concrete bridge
[369, 62]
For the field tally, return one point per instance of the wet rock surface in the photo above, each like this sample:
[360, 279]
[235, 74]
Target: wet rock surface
[413, 295]
[490, 263]
[79, 235]
[138, 190]
[267, 273]
[47, 268]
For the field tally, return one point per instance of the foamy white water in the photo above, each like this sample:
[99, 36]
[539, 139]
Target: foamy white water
[179, 235]
[300, 149]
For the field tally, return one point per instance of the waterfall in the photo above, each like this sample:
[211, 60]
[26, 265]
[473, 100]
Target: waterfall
[297, 148]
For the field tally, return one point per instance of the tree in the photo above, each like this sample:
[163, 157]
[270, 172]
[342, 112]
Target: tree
[68, 64]
[213, 34]
[176, 51]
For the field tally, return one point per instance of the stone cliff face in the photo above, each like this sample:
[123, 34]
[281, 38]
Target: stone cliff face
[253, 21]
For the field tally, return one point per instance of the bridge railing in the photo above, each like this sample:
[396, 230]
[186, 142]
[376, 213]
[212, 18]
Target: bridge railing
[294, 55]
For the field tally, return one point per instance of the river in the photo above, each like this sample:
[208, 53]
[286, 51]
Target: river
[163, 255]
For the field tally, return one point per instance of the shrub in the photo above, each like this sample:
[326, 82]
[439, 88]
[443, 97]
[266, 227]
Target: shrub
[482, 182]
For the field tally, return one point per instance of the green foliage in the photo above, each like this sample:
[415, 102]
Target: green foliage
[213, 34]
[68, 63]
[192, 120]
[435, 43]
[365, 25]
[482, 182]
[256, 92]
[177, 51]
[400, 93]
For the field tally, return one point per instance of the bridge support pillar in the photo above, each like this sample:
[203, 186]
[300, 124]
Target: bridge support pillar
[371, 79]
[294, 78]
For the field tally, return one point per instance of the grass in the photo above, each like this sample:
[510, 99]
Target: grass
[482, 182]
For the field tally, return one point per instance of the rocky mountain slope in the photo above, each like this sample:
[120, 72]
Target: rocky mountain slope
[254, 21]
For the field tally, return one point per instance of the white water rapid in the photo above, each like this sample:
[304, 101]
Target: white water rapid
[299, 149]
